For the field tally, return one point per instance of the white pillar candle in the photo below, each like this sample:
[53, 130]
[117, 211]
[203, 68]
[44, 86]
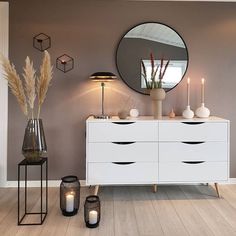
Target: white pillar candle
[188, 91]
[93, 217]
[202, 90]
[70, 202]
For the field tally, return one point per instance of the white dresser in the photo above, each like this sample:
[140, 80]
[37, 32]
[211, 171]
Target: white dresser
[148, 151]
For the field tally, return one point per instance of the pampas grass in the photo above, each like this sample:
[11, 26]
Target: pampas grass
[44, 80]
[29, 76]
[15, 83]
[26, 94]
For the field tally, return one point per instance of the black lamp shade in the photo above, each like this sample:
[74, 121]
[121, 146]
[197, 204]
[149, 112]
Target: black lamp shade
[103, 76]
[69, 195]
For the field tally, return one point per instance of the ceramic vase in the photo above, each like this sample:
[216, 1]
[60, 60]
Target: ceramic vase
[34, 145]
[188, 113]
[202, 111]
[157, 95]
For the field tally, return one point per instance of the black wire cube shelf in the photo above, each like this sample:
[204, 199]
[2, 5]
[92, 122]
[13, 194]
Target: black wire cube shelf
[65, 63]
[41, 42]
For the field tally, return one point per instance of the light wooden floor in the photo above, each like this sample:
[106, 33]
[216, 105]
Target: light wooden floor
[173, 210]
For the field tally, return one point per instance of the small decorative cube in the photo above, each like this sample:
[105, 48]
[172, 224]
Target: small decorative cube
[65, 63]
[92, 211]
[41, 42]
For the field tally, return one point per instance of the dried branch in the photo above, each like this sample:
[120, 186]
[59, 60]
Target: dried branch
[152, 64]
[144, 74]
[44, 80]
[166, 65]
[15, 83]
[29, 76]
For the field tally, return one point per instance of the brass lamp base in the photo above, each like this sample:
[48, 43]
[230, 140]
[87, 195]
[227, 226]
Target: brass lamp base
[102, 117]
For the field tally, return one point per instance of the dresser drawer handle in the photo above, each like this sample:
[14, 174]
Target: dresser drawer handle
[192, 143]
[193, 123]
[193, 162]
[123, 163]
[123, 123]
[123, 143]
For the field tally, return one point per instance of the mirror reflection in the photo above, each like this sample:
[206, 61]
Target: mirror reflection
[137, 45]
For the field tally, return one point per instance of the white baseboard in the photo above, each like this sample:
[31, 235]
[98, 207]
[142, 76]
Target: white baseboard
[51, 183]
[56, 183]
[232, 181]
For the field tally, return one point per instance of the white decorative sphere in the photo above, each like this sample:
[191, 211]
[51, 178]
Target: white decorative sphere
[188, 113]
[134, 113]
[202, 112]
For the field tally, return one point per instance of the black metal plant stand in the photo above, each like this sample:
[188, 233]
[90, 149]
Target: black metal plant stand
[42, 213]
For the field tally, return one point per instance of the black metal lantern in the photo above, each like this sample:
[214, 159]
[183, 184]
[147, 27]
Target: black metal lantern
[69, 195]
[92, 211]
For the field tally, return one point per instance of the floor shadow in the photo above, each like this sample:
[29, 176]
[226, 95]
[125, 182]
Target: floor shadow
[164, 192]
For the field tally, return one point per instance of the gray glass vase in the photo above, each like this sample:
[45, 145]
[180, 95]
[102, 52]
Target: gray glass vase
[34, 145]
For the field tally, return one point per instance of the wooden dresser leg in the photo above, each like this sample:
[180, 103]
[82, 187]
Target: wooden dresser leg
[217, 190]
[96, 190]
[154, 188]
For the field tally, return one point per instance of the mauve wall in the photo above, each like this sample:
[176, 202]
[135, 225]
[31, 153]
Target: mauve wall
[89, 31]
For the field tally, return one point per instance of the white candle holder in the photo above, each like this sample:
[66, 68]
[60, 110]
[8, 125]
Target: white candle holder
[202, 111]
[188, 113]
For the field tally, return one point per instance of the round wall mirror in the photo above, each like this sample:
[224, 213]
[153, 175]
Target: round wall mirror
[136, 46]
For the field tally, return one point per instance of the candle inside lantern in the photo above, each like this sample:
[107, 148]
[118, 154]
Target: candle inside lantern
[63, 62]
[202, 90]
[70, 202]
[188, 91]
[93, 217]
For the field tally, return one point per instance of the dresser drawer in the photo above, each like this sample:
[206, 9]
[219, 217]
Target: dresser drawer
[119, 173]
[192, 131]
[186, 172]
[123, 152]
[193, 151]
[122, 131]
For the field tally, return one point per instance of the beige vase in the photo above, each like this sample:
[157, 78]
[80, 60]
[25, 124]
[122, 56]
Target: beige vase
[157, 95]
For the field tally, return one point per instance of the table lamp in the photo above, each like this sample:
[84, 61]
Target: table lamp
[102, 77]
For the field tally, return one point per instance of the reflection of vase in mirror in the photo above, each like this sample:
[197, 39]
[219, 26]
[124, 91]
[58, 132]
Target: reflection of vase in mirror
[34, 145]
[157, 95]
[146, 38]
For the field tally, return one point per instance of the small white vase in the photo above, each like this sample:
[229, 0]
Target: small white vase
[202, 111]
[188, 113]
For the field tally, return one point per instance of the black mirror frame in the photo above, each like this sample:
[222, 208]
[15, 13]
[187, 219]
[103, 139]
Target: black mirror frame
[147, 23]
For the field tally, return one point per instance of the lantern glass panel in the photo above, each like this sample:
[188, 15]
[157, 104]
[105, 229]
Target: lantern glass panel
[92, 211]
[69, 195]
